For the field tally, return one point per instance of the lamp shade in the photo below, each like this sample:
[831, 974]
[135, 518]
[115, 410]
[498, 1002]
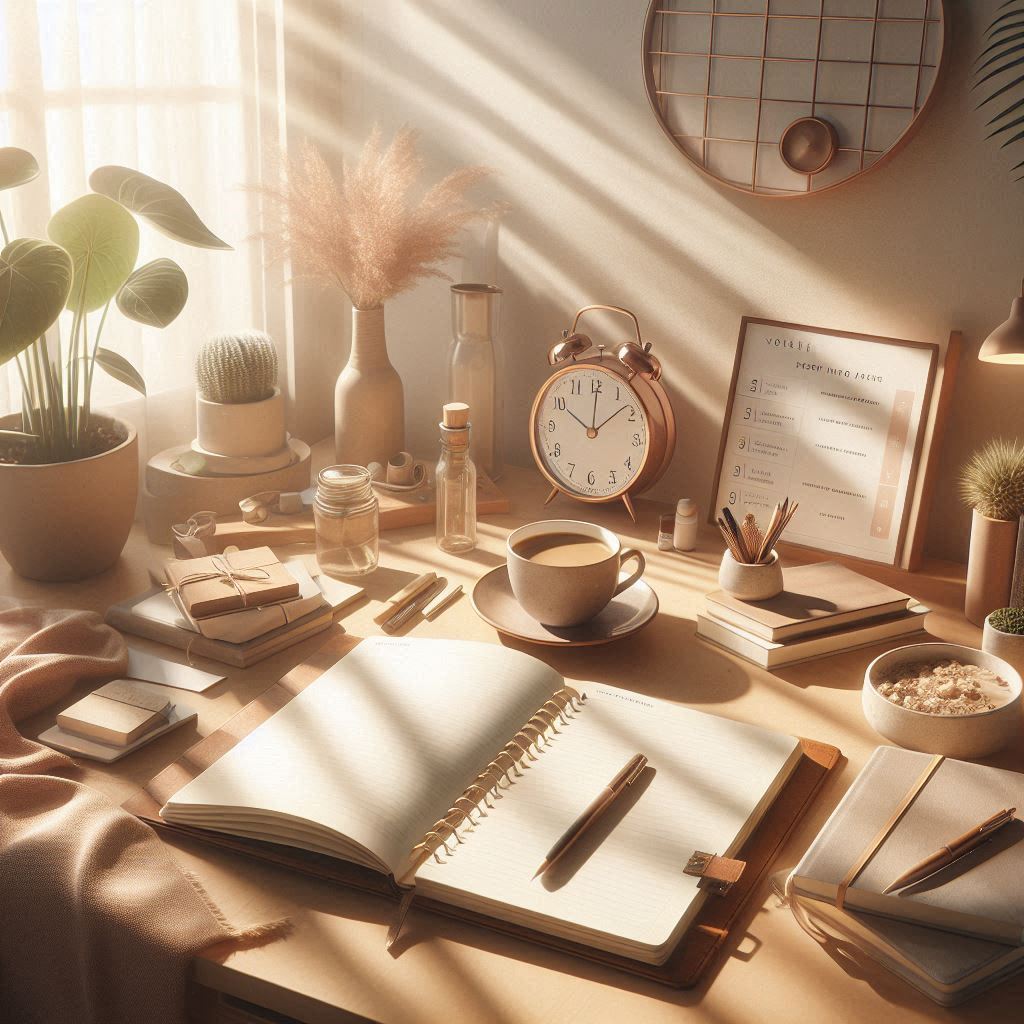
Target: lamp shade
[1006, 343]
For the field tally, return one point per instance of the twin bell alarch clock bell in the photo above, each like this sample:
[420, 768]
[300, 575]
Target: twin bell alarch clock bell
[602, 427]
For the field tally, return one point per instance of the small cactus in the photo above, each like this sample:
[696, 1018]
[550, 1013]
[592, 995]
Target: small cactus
[993, 480]
[235, 368]
[1008, 620]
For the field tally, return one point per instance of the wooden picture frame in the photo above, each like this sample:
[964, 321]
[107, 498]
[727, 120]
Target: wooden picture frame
[876, 383]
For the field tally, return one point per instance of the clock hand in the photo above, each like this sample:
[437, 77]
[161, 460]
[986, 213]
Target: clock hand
[593, 421]
[576, 418]
[613, 415]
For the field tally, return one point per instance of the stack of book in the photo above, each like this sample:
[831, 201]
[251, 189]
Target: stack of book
[240, 636]
[826, 608]
[952, 933]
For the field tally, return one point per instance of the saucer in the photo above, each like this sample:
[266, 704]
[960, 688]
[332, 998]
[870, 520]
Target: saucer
[623, 616]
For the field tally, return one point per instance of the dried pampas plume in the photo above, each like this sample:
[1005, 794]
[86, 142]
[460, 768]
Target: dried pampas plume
[365, 232]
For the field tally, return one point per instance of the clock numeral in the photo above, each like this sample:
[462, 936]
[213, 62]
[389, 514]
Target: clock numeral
[632, 415]
[551, 426]
[572, 467]
[616, 392]
[560, 404]
[636, 440]
[576, 387]
[595, 387]
[629, 463]
[591, 479]
[558, 449]
[611, 477]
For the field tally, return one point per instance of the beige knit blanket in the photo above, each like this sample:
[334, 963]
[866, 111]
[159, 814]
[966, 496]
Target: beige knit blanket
[97, 923]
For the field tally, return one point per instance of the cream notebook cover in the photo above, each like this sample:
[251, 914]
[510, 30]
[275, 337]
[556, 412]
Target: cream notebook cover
[979, 895]
[364, 762]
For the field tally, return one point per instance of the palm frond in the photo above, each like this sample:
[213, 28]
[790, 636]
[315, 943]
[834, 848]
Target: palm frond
[997, 73]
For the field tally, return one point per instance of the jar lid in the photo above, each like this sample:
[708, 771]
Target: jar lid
[686, 507]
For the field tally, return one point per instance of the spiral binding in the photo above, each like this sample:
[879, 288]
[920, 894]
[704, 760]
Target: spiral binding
[529, 742]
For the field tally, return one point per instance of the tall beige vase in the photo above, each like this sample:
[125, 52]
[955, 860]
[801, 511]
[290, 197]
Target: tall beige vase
[369, 406]
[989, 566]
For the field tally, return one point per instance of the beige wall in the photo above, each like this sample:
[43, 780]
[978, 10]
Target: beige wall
[605, 210]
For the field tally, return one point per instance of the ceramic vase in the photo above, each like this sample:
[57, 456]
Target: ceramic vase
[1008, 646]
[69, 520]
[989, 566]
[369, 405]
[751, 582]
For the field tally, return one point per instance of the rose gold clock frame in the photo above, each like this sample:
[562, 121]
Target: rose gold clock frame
[634, 363]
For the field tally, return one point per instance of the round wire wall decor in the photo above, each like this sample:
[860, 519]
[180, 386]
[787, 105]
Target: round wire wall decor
[791, 97]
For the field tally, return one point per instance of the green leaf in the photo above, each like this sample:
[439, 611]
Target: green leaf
[103, 240]
[35, 278]
[155, 294]
[120, 369]
[164, 207]
[17, 166]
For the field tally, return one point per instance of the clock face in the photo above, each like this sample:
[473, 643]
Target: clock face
[590, 432]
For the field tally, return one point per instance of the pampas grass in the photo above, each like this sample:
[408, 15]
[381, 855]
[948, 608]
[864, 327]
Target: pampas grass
[366, 232]
[993, 480]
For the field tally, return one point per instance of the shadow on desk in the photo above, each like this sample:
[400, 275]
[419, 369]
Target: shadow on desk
[704, 675]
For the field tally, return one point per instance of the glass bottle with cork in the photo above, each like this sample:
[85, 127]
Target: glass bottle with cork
[455, 482]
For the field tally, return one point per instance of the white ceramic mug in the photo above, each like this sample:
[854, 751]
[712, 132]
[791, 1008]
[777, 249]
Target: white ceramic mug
[558, 595]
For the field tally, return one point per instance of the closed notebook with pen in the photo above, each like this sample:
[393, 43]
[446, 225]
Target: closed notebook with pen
[390, 742]
[979, 895]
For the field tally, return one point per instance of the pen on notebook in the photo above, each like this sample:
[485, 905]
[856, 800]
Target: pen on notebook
[418, 603]
[627, 775]
[439, 604]
[405, 596]
[954, 849]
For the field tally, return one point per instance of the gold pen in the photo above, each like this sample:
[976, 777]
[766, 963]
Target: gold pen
[953, 850]
[627, 775]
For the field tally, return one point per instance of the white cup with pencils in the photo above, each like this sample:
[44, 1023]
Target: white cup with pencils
[751, 569]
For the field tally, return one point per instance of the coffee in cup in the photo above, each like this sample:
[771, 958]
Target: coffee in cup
[564, 572]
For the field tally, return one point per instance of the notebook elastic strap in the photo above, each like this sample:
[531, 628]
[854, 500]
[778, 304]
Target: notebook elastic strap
[883, 833]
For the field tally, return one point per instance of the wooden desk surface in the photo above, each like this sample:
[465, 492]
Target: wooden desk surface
[334, 967]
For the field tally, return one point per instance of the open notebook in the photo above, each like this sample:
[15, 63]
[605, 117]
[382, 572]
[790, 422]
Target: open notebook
[365, 762]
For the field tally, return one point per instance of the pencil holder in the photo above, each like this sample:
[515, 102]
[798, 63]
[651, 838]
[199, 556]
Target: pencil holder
[748, 581]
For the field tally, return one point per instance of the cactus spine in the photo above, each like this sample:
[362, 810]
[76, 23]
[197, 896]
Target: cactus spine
[993, 480]
[1008, 620]
[236, 368]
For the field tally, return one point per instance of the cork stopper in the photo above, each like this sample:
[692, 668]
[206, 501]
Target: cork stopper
[455, 415]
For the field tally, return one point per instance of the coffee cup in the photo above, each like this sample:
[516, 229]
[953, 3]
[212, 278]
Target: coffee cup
[563, 572]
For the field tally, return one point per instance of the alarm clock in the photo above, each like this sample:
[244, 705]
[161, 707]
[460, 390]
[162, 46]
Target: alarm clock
[602, 427]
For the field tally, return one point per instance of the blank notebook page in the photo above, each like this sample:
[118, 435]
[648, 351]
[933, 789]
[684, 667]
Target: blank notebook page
[379, 746]
[709, 779]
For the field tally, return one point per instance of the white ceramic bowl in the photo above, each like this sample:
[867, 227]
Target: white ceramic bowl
[951, 735]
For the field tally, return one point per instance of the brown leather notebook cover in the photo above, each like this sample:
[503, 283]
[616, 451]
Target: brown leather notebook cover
[684, 968]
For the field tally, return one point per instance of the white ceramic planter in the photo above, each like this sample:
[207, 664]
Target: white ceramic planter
[1008, 646]
[369, 404]
[751, 582]
[240, 429]
[69, 520]
[952, 735]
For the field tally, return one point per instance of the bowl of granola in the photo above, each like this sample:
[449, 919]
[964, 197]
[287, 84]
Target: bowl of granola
[944, 699]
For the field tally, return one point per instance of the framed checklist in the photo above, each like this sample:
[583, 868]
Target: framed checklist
[834, 421]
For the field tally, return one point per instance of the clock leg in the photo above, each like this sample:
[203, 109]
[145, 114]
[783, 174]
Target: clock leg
[628, 502]
[551, 497]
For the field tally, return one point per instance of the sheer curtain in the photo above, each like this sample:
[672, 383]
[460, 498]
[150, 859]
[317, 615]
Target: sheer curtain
[166, 87]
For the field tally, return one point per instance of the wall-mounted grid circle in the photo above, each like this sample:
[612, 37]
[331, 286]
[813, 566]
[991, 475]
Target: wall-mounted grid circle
[727, 77]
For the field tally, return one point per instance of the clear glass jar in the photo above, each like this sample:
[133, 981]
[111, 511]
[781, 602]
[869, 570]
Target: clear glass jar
[455, 486]
[347, 517]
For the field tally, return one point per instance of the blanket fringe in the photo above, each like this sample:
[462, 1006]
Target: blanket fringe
[241, 938]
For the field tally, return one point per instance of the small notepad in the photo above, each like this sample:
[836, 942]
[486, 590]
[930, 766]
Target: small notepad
[118, 713]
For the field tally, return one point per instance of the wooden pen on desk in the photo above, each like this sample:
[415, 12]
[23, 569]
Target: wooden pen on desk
[953, 850]
[627, 775]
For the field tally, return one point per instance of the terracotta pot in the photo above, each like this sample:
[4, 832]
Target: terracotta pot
[989, 566]
[369, 405]
[69, 520]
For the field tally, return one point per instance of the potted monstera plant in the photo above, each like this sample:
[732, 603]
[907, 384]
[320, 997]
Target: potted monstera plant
[68, 473]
